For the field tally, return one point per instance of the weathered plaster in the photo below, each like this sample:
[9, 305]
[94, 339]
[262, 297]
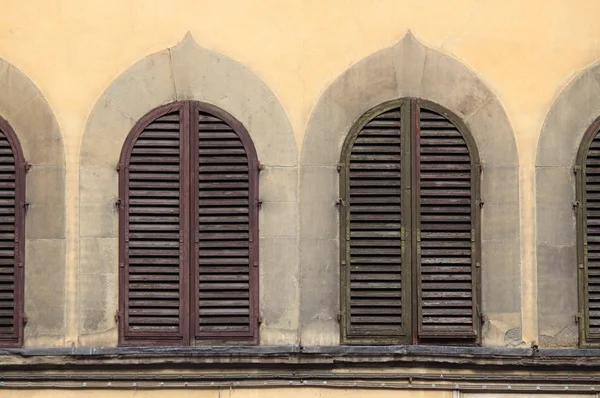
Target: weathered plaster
[407, 69]
[571, 114]
[26, 110]
[187, 71]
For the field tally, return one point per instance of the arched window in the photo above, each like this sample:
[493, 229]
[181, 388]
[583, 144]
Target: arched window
[12, 237]
[409, 188]
[188, 229]
[588, 234]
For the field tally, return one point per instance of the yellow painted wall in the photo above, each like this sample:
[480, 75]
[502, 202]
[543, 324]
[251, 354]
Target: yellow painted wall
[526, 51]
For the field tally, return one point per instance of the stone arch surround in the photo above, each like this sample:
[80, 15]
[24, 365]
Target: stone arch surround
[408, 69]
[30, 116]
[571, 114]
[188, 71]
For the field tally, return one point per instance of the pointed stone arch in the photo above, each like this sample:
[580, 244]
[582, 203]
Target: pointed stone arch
[571, 114]
[408, 69]
[188, 71]
[28, 113]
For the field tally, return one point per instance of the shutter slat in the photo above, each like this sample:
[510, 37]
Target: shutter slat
[375, 219]
[224, 217]
[153, 274]
[445, 224]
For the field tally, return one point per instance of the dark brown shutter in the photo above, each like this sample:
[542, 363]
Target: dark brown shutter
[153, 232]
[445, 230]
[189, 228]
[226, 259]
[591, 240]
[12, 207]
[373, 294]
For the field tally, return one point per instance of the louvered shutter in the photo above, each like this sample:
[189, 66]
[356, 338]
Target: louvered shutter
[153, 259]
[446, 234]
[373, 231]
[591, 240]
[188, 228]
[226, 255]
[12, 202]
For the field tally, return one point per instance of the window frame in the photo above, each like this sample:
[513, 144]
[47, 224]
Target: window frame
[409, 109]
[189, 313]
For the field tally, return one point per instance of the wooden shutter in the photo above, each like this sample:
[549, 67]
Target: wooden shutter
[12, 225]
[409, 188]
[189, 228]
[153, 232]
[445, 230]
[591, 241]
[372, 231]
[226, 238]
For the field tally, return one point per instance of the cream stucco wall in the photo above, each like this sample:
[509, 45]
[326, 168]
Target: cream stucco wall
[525, 51]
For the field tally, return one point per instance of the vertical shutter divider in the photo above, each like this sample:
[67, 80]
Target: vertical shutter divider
[416, 221]
[194, 200]
[185, 220]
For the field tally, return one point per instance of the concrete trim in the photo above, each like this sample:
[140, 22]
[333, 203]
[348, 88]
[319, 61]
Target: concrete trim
[187, 72]
[573, 111]
[29, 114]
[408, 69]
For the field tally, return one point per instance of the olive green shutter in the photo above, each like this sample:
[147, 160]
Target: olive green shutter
[409, 238]
[589, 242]
[372, 190]
[446, 249]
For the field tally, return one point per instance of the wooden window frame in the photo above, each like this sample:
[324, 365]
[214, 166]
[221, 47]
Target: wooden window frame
[21, 167]
[189, 313]
[580, 205]
[409, 108]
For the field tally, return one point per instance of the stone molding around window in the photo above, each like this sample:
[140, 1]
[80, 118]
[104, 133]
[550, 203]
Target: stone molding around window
[409, 69]
[188, 72]
[30, 116]
[571, 114]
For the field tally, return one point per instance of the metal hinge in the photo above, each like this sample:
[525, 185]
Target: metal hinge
[576, 204]
[25, 319]
[576, 169]
[340, 203]
[339, 317]
[117, 316]
[580, 265]
[479, 202]
[577, 317]
[259, 320]
[259, 166]
[25, 205]
[258, 203]
[27, 166]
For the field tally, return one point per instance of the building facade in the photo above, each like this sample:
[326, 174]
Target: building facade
[299, 198]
